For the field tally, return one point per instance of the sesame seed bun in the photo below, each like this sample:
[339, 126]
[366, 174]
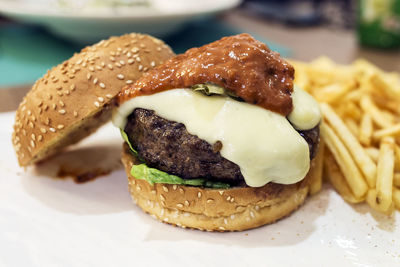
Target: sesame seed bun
[73, 99]
[234, 209]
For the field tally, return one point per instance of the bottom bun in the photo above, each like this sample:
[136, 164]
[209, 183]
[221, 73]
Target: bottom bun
[235, 209]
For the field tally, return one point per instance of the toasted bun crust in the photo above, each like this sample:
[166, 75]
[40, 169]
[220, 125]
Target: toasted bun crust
[235, 209]
[72, 99]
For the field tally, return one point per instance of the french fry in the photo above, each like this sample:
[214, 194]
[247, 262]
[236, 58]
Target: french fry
[336, 178]
[366, 127]
[373, 153]
[316, 179]
[389, 131]
[371, 199]
[369, 107]
[383, 86]
[346, 163]
[396, 198]
[352, 125]
[385, 169]
[364, 162]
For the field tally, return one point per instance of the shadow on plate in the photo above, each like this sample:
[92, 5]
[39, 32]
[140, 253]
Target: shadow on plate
[383, 221]
[288, 231]
[107, 194]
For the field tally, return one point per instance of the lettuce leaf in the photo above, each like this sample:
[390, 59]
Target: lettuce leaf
[152, 176]
[126, 139]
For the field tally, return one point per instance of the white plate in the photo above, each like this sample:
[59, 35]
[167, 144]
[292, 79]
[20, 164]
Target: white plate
[54, 222]
[90, 24]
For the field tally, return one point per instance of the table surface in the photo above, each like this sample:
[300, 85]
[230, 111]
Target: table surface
[305, 43]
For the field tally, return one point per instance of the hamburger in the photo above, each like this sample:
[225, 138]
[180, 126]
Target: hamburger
[218, 138]
[73, 99]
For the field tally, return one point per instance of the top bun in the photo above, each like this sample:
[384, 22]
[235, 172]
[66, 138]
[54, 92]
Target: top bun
[73, 99]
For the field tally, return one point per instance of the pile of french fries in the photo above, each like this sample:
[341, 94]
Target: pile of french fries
[361, 129]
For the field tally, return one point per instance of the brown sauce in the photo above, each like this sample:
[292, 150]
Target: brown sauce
[238, 63]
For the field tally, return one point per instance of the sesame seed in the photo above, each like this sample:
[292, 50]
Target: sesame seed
[142, 45]
[174, 186]
[65, 80]
[165, 188]
[95, 80]
[33, 137]
[110, 66]
[103, 64]
[112, 59]
[59, 87]
[32, 144]
[99, 68]
[47, 122]
[158, 49]
[130, 61]
[138, 59]
[43, 130]
[163, 203]
[179, 205]
[135, 50]
[165, 219]
[67, 92]
[118, 65]
[232, 199]
[51, 129]
[153, 192]
[55, 80]
[75, 113]
[122, 62]
[181, 190]
[88, 76]
[257, 207]
[97, 104]
[138, 188]
[186, 214]
[210, 200]
[79, 62]
[186, 203]
[72, 87]
[232, 216]
[60, 126]
[62, 111]
[84, 64]
[31, 124]
[199, 194]
[221, 192]
[29, 112]
[129, 82]
[162, 197]
[112, 53]
[225, 221]
[60, 93]
[109, 96]
[120, 76]
[61, 103]
[162, 212]
[228, 198]
[140, 68]
[100, 99]
[221, 228]
[40, 137]
[91, 68]
[129, 54]
[153, 64]
[252, 214]
[71, 76]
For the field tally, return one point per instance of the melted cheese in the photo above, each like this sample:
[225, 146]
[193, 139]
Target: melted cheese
[306, 113]
[262, 143]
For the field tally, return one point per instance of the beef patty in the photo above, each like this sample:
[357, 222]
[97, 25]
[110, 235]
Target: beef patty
[167, 146]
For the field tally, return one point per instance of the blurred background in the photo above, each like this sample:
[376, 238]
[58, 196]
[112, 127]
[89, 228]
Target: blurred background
[38, 34]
